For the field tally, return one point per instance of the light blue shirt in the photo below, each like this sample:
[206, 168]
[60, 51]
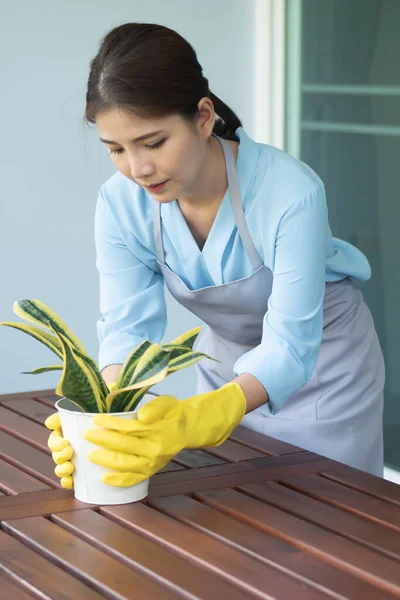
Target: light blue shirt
[286, 213]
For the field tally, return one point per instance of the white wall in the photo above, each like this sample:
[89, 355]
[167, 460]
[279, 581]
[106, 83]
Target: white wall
[51, 167]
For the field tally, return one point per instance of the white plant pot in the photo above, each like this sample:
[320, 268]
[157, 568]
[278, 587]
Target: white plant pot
[88, 485]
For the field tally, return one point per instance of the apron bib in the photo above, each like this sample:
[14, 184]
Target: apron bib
[338, 412]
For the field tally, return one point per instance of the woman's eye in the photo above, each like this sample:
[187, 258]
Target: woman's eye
[117, 151]
[156, 145]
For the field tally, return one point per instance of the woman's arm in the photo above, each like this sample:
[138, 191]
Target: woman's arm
[132, 301]
[110, 373]
[253, 389]
[292, 327]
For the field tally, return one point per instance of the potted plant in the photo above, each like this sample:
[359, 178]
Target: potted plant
[84, 392]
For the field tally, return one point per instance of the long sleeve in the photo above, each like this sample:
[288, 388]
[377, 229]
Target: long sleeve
[132, 300]
[292, 327]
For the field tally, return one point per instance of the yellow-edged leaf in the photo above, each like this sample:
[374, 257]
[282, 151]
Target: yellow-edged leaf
[125, 401]
[35, 311]
[46, 338]
[77, 382]
[130, 363]
[186, 360]
[136, 399]
[147, 383]
[154, 359]
[95, 371]
[42, 370]
[188, 338]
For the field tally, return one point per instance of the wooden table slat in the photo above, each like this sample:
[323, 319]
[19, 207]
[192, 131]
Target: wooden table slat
[22, 395]
[234, 452]
[330, 518]
[15, 481]
[347, 499]
[25, 429]
[240, 473]
[29, 408]
[239, 569]
[262, 443]
[194, 459]
[366, 483]
[337, 550]
[28, 459]
[270, 549]
[171, 466]
[37, 574]
[42, 503]
[76, 556]
[49, 399]
[9, 589]
[145, 556]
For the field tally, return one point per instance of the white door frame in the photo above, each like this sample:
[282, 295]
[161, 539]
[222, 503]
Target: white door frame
[277, 93]
[269, 92]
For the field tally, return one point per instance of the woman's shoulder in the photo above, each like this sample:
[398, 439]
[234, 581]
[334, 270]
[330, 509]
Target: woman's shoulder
[119, 190]
[128, 202]
[284, 179]
[131, 208]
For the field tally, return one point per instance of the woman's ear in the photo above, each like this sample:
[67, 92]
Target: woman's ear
[206, 120]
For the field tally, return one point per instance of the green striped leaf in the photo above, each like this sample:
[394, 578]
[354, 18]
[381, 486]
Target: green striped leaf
[125, 401]
[46, 338]
[175, 350]
[186, 360]
[42, 370]
[37, 312]
[94, 369]
[77, 382]
[154, 360]
[142, 386]
[151, 368]
[188, 338]
[128, 368]
[135, 399]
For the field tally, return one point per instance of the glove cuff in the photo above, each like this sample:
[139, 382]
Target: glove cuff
[211, 417]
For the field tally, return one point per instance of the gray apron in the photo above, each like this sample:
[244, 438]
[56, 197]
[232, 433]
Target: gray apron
[338, 412]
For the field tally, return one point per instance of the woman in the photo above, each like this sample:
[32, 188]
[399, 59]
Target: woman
[299, 356]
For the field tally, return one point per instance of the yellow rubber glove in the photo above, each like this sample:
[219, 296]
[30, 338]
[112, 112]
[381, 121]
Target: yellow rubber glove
[136, 449]
[61, 449]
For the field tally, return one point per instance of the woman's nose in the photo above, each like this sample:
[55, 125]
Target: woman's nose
[140, 170]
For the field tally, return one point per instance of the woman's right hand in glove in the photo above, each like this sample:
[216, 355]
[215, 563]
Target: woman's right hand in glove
[61, 451]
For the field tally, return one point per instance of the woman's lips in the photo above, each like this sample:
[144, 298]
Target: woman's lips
[156, 189]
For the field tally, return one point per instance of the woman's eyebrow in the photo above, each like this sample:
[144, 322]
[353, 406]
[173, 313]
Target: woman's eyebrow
[138, 139]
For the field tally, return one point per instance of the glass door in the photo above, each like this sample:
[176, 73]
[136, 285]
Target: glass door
[343, 119]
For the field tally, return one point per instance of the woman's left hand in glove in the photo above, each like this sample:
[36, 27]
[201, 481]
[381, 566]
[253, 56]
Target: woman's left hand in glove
[134, 450]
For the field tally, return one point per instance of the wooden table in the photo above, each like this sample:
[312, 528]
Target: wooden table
[254, 518]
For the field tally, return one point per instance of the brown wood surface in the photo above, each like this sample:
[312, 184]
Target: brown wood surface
[229, 563]
[9, 589]
[253, 518]
[15, 481]
[30, 569]
[95, 568]
[267, 548]
[329, 546]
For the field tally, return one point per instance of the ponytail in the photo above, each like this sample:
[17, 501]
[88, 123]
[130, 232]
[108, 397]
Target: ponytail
[228, 121]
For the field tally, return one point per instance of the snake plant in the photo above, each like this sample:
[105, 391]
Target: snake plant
[81, 380]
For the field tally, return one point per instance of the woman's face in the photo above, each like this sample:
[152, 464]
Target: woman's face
[164, 155]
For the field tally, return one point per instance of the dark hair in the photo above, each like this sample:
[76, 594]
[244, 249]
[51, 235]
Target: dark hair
[153, 71]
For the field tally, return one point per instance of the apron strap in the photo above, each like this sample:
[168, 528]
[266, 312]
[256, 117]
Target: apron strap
[234, 191]
[157, 231]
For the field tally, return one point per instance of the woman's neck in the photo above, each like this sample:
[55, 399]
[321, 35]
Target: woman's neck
[211, 184]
